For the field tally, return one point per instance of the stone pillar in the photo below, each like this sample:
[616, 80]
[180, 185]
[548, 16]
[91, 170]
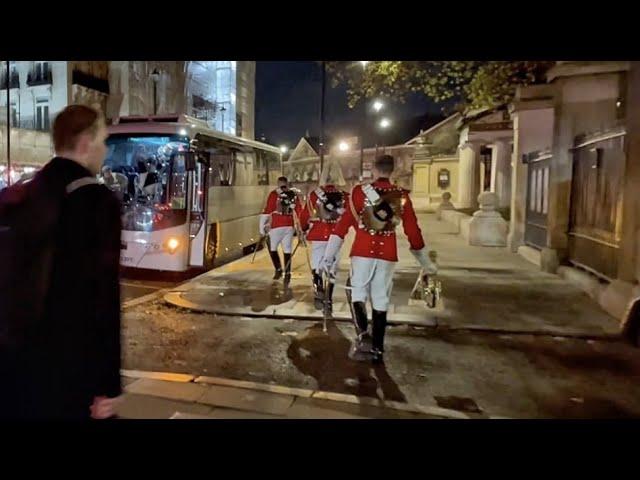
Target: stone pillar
[628, 267]
[487, 228]
[469, 175]
[519, 171]
[501, 172]
[559, 187]
[445, 204]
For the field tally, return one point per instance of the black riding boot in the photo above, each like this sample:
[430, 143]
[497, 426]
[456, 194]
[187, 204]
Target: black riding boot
[328, 305]
[361, 351]
[287, 268]
[318, 291]
[379, 320]
[275, 258]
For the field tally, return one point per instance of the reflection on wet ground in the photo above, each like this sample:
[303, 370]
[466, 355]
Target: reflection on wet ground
[324, 356]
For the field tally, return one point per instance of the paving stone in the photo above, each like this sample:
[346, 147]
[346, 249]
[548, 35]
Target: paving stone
[299, 392]
[307, 409]
[244, 399]
[231, 414]
[188, 392]
[147, 407]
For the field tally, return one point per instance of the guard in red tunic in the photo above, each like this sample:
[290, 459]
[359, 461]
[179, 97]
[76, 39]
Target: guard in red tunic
[278, 220]
[374, 211]
[324, 207]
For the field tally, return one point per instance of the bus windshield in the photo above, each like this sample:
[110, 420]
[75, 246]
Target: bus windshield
[148, 174]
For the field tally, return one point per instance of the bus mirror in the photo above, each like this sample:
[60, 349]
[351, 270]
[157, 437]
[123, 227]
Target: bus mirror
[190, 161]
[204, 158]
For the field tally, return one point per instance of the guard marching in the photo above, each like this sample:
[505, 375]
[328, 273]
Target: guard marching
[374, 211]
[278, 220]
[324, 207]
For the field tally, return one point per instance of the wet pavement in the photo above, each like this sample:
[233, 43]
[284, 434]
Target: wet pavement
[517, 376]
[507, 342]
[483, 288]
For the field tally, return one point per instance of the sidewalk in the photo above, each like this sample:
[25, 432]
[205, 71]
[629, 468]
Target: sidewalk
[484, 288]
[247, 289]
[158, 395]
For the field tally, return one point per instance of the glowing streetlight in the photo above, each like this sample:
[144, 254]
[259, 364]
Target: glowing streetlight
[343, 146]
[385, 123]
[377, 105]
[364, 64]
[284, 149]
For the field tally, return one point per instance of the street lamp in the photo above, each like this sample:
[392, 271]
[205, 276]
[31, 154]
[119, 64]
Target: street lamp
[155, 76]
[222, 110]
[364, 64]
[385, 123]
[284, 149]
[343, 146]
[378, 105]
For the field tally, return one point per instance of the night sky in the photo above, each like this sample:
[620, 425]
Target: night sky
[288, 104]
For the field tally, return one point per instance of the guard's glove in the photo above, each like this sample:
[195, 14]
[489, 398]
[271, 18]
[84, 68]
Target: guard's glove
[330, 253]
[428, 266]
[264, 224]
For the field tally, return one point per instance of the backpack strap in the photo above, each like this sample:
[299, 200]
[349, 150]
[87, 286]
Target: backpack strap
[81, 182]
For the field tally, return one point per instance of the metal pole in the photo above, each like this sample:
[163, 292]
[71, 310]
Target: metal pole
[364, 123]
[8, 127]
[155, 97]
[322, 119]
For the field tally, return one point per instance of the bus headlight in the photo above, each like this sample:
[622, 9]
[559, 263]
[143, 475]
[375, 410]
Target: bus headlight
[173, 244]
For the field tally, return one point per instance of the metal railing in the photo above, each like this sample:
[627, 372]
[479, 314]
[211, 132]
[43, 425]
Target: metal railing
[29, 123]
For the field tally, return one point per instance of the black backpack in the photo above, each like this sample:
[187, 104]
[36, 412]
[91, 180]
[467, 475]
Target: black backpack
[29, 213]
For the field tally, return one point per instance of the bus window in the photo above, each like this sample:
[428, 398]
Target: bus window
[153, 173]
[178, 185]
[260, 172]
[199, 188]
[275, 167]
[223, 168]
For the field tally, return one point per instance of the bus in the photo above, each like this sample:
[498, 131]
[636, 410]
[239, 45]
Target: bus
[191, 196]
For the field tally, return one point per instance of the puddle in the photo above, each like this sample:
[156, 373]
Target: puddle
[458, 403]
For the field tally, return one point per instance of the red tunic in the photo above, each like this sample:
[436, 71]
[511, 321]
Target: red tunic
[382, 246]
[320, 229]
[279, 219]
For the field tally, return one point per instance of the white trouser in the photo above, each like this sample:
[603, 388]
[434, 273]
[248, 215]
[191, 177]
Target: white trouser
[318, 248]
[280, 235]
[372, 278]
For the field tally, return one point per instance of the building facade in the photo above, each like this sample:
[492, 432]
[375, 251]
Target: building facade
[38, 90]
[222, 93]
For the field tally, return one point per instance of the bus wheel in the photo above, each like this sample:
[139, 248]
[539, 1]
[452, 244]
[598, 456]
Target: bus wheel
[210, 249]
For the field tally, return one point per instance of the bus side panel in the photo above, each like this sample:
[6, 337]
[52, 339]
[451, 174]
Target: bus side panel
[230, 203]
[236, 235]
[197, 248]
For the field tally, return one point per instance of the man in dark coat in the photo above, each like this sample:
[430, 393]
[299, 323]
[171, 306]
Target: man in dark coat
[69, 365]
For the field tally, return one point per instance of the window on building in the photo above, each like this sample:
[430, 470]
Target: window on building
[42, 115]
[223, 84]
[41, 69]
[14, 115]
